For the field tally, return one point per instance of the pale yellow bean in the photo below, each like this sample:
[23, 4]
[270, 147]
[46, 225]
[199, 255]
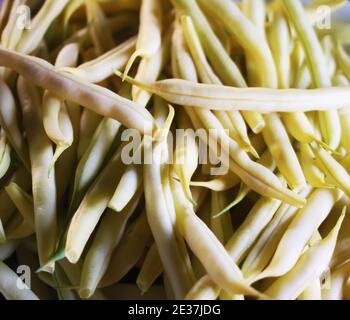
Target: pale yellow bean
[337, 281]
[283, 152]
[24, 204]
[44, 186]
[9, 123]
[207, 248]
[11, 33]
[107, 238]
[312, 292]
[333, 169]
[299, 232]
[308, 268]
[57, 123]
[159, 218]
[203, 290]
[100, 100]
[264, 248]
[313, 174]
[151, 269]
[264, 100]
[92, 207]
[129, 251]
[150, 30]
[31, 39]
[102, 67]
[329, 120]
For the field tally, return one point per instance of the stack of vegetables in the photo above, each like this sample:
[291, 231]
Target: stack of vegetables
[92, 218]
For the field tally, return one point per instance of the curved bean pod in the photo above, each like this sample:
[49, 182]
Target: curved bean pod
[96, 98]
[309, 267]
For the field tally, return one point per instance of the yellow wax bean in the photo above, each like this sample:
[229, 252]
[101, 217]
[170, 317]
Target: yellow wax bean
[264, 100]
[208, 249]
[100, 100]
[337, 281]
[313, 174]
[186, 154]
[328, 47]
[247, 233]
[286, 159]
[128, 252]
[263, 250]
[203, 290]
[102, 67]
[57, 123]
[303, 225]
[24, 204]
[5, 158]
[9, 123]
[309, 267]
[98, 256]
[222, 183]
[255, 11]
[317, 62]
[312, 292]
[31, 39]
[158, 216]
[279, 38]
[230, 180]
[127, 187]
[44, 187]
[151, 269]
[216, 223]
[267, 161]
[149, 70]
[150, 30]
[11, 33]
[65, 166]
[94, 156]
[216, 53]
[332, 169]
[92, 207]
